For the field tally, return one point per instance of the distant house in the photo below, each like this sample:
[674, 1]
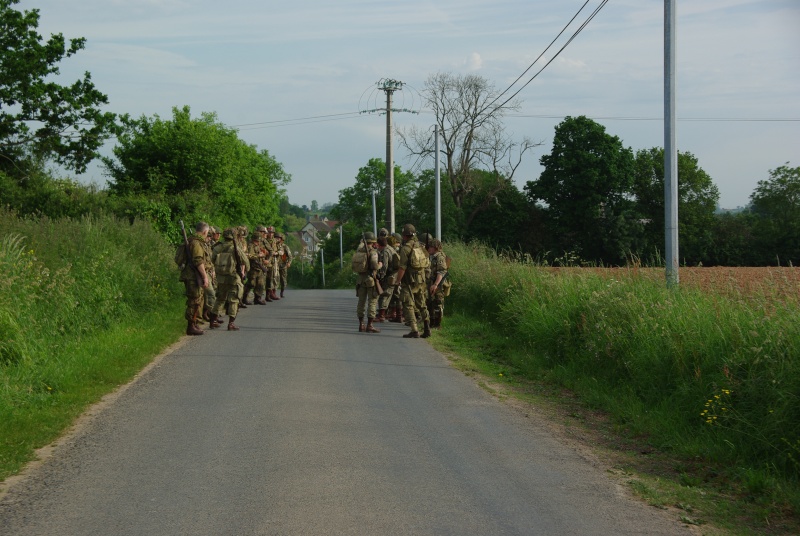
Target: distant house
[316, 231]
[299, 236]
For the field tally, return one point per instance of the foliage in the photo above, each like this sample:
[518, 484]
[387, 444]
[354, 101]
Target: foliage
[40, 119]
[355, 202]
[585, 185]
[469, 113]
[661, 362]
[193, 168]
[66, 284]
[697, 201]
[776, 206]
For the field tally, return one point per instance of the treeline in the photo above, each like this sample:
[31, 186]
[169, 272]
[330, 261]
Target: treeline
[596, 202]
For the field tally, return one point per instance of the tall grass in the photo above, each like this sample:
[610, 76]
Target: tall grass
[83, 305]
[708, 375]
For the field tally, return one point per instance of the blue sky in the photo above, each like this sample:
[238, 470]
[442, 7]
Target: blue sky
[263, 61]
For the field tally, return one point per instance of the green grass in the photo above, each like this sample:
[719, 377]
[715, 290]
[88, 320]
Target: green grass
[707, 378]
[84, 305]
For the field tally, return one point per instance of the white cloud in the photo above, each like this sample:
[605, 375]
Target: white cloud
[474, 62]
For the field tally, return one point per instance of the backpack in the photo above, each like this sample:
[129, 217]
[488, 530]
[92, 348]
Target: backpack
[419, 259]
[225, 262]
[360, 262]
[180, 256]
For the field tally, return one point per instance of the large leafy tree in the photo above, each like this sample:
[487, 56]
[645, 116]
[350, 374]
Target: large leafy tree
[776, 206]
[195, 168]
[585, 187]
[469, 112]
[697, 202]
[355, 202]
[39, 118]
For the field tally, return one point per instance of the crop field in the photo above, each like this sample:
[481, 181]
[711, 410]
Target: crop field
[779, 283]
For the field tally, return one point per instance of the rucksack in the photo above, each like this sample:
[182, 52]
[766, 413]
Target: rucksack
[180, 256]
[360, 261]
[225, 262]
[419, 259]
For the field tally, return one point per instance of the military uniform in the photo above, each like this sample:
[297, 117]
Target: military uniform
[257, 276]
[439, 284]
[413, 292]
[390, 260]
[229, 262]
[195, 256]
[284, 259]
[365, 286]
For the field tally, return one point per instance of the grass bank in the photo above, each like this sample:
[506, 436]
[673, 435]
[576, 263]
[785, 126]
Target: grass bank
[709, 376]
[84, 305]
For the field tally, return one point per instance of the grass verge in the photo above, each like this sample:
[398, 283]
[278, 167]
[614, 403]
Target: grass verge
[698, 492]
[38, 403]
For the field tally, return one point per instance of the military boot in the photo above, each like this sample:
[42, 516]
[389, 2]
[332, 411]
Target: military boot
[191, 329]
[361, 327]
[426, 331]
[371, 328]
[282, 289]
[412, 335]
[214, 321]
[381, 316]
[232, 326]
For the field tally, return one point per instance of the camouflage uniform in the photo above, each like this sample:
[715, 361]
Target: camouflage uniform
[256, 277]
[195, 255]
[229, 262]
[390, 259]
[365, 286]
[437, 290]
[284, 260]
[413, 286]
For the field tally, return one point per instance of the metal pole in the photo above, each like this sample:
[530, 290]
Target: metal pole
[374, 215]
[438, 186]
[322, 261]
[389, 165]
[341, 248]
[670, 146]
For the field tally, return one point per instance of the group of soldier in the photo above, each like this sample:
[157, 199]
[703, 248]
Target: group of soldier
[220, 273]
[406, 280]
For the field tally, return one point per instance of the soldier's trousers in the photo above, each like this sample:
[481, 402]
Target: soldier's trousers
[210, 296]
[194, 300]
[283, 273]
[229, 292]
[386, 298]
[367, 301]
[414, 298]
[256, 280]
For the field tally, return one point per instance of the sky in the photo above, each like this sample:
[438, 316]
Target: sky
[292, 77]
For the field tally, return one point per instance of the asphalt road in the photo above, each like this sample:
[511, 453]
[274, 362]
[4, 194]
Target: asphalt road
[298, 424]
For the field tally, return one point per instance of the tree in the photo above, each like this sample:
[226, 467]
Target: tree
[40, 119]
[697, 202]
[355, 202]
[469, 113]
[585, 185]
[195, 167]
[776, 206]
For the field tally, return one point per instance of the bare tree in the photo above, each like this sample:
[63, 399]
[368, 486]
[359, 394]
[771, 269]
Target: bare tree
[473, 134]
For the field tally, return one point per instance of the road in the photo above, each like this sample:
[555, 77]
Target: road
[298, 424]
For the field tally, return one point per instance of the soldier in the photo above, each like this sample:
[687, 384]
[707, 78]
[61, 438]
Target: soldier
[439, 282]
[395, 313]
[411, 273]
[284, 259]
[194, 276]
[272, 273]
[230, 262]
[210, 294]
[365, 283]
[390, 261]
[257, 276]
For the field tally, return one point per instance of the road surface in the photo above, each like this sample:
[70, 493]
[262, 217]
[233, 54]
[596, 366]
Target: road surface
[298, 424]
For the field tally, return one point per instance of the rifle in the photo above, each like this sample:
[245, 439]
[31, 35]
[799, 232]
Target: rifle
[371, 274]
[197, 275]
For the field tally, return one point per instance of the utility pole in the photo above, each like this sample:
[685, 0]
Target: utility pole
[438, 189]
[389, 87]
[670, 147]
